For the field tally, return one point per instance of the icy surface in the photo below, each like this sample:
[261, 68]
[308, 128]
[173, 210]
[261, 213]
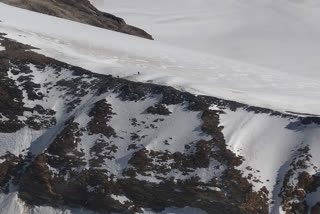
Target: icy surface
[122, 55]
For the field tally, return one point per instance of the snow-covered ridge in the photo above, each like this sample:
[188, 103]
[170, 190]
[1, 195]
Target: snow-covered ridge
[90, 137]
[80, 11]
[108, 52]
[112, 137]
[11, 204]
[269, 145]
[110, 131]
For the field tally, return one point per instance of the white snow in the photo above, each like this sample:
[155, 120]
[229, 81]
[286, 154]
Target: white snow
[279, 34]
[109, 52]
[268, 144]
[121, 198]
[19, 142]
[156, 129]
[188, 124]
[275, 34]
[2, 48]
[11, 204]
[34, 141]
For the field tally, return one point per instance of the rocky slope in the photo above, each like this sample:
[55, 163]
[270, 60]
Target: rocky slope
[81, 11]
[72, 138]
[105, 139]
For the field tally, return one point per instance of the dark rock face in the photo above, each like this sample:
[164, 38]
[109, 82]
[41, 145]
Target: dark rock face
[101, 148]
[158, 109]
[101, 114]
[81, 11]
[75, 167]
[316, 209]
[294, 194]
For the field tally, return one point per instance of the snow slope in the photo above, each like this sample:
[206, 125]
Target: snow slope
[279, 34]
[108, 52]
[257, 137]
[11, 204]
[61, 87]
[269, 144]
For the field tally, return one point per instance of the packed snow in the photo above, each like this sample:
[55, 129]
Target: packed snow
[279, 34]
[108, 52]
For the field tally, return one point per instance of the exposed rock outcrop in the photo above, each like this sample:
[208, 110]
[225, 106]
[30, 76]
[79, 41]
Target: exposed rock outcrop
[101, 151]
[108, 144]
[316, 209]
[81, 11]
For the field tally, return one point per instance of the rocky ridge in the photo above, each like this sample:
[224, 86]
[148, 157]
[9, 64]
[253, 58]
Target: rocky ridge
[106, 144]
[80, 11]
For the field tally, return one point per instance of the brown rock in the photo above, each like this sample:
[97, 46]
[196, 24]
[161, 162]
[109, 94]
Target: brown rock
[81, 11]
[316, 209]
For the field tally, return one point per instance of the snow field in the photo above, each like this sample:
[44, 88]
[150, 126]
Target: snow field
[108, 52]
